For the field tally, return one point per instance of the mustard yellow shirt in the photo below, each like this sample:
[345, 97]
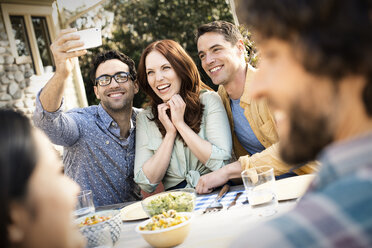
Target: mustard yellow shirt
[263, 126]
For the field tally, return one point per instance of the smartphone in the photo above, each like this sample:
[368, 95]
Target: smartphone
[91, 38]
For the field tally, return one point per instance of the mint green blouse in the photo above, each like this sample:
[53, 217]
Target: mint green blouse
[183, 163]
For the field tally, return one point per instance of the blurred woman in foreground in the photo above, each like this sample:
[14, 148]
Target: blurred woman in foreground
[37, 199]
[184, 133]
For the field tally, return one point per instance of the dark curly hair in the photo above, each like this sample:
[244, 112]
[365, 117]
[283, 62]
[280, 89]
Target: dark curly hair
[334, 36]
[108, 55]
[191, 83]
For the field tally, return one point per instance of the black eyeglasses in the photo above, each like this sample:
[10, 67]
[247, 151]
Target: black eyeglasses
[120, 77]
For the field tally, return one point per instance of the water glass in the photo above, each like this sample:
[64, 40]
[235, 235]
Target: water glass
[259, 183]
[84, 204]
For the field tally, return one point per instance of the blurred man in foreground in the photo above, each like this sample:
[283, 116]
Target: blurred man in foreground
[316, 72]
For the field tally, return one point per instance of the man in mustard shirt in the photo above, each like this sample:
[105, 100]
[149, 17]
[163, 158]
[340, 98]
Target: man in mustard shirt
[255, 140]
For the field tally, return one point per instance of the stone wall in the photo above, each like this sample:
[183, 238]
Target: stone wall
[14, 78]
[19, 86]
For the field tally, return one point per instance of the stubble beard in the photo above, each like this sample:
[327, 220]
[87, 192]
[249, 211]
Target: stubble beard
[117, 108]
[309, 133]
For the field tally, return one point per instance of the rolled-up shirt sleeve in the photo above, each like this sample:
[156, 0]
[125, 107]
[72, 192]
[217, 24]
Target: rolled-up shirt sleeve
[143, 153]
[60, 127]
[217, 131]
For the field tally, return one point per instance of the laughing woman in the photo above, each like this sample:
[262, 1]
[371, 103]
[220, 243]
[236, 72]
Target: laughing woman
[184, 133]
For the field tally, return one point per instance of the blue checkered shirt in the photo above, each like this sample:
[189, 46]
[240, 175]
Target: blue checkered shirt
[336, 211]
[94, 154]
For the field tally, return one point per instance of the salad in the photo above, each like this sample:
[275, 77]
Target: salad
[94, 219]
[164, 220]
[179, 201]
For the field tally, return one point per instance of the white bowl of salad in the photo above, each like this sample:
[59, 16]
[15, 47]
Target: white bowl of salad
[181, 200]
[167, 229]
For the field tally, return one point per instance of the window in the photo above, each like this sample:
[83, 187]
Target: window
[43, 42]
[20, 35]
[29, 29]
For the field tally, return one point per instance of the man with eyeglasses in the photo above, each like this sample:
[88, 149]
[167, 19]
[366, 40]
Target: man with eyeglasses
[98, 140]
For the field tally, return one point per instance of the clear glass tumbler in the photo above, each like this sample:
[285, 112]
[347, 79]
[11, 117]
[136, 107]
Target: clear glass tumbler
[84, 204]
[259, 183]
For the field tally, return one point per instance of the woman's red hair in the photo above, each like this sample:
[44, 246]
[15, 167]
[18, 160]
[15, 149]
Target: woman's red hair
[191, 83]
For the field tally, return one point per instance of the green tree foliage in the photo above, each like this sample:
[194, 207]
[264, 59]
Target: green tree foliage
[252, 54]
[137, 23]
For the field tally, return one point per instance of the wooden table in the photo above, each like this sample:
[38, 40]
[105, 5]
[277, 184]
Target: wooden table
[207, 230]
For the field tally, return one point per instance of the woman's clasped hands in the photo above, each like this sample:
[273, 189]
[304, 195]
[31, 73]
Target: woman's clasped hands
[177, 107]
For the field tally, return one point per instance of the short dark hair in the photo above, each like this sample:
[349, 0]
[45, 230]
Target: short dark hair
[17, 162]
[334, 37]
[229, 31]
[112, 54]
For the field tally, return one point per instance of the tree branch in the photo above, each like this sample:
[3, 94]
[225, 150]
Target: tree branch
[69, 21]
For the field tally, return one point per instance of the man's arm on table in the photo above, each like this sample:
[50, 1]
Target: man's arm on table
[269, 156]
[219, 177]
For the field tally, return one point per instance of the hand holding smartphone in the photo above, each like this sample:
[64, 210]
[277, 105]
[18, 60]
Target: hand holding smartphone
[91, 38]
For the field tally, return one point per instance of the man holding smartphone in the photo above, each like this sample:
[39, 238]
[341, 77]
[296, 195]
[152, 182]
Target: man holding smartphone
[98, 140]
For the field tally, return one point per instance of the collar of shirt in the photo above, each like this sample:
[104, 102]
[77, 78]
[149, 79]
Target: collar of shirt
[111, 125]
[343, 159]
[107, 119]
[246, 97]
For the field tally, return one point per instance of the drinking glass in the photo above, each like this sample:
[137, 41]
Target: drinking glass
[259, 183]
[84, 204]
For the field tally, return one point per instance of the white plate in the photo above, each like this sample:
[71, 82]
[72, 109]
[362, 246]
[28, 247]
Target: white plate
[133, 212]
[292, 187]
